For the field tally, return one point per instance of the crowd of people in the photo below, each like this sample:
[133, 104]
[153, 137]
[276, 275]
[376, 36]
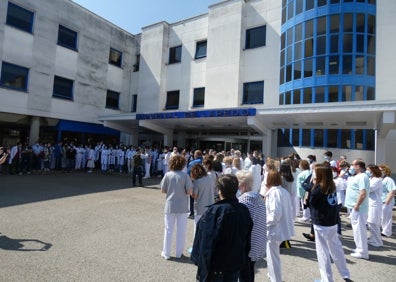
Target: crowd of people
[244, 209]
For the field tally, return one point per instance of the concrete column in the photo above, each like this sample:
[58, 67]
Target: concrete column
[134, 139]
[34, 134]
[168, 140]
[181, 139]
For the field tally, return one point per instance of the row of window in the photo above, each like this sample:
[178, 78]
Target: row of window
[23, 19]
[254, 38]
[328, 65]
[339, 37]
[16, 78]
[359, 139]
[253, 93]
[292, 8]
[327, 94]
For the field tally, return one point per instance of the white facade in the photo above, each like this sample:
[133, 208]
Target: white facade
[87, 66]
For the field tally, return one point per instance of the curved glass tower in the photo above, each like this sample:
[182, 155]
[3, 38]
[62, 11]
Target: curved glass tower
[327, 52]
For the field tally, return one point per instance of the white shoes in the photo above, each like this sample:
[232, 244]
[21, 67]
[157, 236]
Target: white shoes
[164, 256]
[302, 219]
[360, 256]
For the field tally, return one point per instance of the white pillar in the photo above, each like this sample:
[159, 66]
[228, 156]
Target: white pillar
[34, 134]
[168, 140]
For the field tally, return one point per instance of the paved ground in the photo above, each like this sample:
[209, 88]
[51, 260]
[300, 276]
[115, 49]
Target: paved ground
[96, 227]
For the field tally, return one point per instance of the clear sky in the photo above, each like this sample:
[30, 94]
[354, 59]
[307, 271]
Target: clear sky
[132, 15]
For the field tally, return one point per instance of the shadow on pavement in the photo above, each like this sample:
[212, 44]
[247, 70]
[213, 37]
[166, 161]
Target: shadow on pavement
[23, 245]
[24, 189]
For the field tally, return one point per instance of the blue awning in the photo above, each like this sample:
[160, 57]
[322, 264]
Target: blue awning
[68, 125]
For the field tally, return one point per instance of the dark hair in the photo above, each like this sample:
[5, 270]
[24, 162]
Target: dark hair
[329, 154]
[208, 162]
[324, 178]
[286, 172]
[375, 170]
[217, 166]
[274, 178]
[312, 157]
[227, 185]
[197, 171]
[177, 162]
[361, 164]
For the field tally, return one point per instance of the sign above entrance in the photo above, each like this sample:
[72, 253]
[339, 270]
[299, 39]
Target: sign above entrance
[235, 112]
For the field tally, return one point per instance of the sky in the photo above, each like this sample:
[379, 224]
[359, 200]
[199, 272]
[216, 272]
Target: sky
[132, 15]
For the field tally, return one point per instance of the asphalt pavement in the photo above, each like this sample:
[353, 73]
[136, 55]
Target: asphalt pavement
[97, 227]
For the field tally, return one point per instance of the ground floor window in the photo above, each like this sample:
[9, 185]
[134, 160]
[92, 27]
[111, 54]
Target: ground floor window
[359, 139]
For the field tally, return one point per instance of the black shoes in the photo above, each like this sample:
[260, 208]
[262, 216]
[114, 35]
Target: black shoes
[309, 237]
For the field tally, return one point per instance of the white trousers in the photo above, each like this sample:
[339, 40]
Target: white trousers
[328, 244]
[386, 221]
[306, 213]
[147, 167]
[374, 224]
[358, 222]
[180, 219]
[273, 261]
[197, 217]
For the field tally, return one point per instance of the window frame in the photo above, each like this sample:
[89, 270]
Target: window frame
[108, 104]
[169, 99]
[59, 95]
[29, 22]
[175, 56]
[198, 91]
[134, 103]
[201, 45]
[245, 98]
[251, 41]
[24, 72]
[61, 31]
[118, 62]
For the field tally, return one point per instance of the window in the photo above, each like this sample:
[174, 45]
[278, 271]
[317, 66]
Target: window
[255, 37]
[63, 88]
[172, 100]
[67, 38]
[200, 51]
[134, 103]
[137, 64]
[199, 97]
[253, 93]
[13, 76]
[20, 18]
[115, 57]
[112, 99]
[175, 54]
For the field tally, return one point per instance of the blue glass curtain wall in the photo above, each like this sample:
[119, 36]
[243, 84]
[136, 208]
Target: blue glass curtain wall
[327, 51]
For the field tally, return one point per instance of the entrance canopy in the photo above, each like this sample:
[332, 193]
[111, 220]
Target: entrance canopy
[377, 115]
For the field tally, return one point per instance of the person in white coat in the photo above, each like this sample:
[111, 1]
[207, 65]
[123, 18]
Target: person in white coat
[375, 205]
[91, 159]
[388, 200]
[255, 169]
[104, 158]
[279, 222]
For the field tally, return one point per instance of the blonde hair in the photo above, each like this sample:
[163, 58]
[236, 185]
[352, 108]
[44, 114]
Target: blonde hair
[245, 177]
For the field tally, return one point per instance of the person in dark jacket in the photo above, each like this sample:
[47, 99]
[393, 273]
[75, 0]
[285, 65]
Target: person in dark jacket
[324, 215]
[222, 239]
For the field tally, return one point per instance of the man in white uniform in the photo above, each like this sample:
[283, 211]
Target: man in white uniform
[356, 199]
